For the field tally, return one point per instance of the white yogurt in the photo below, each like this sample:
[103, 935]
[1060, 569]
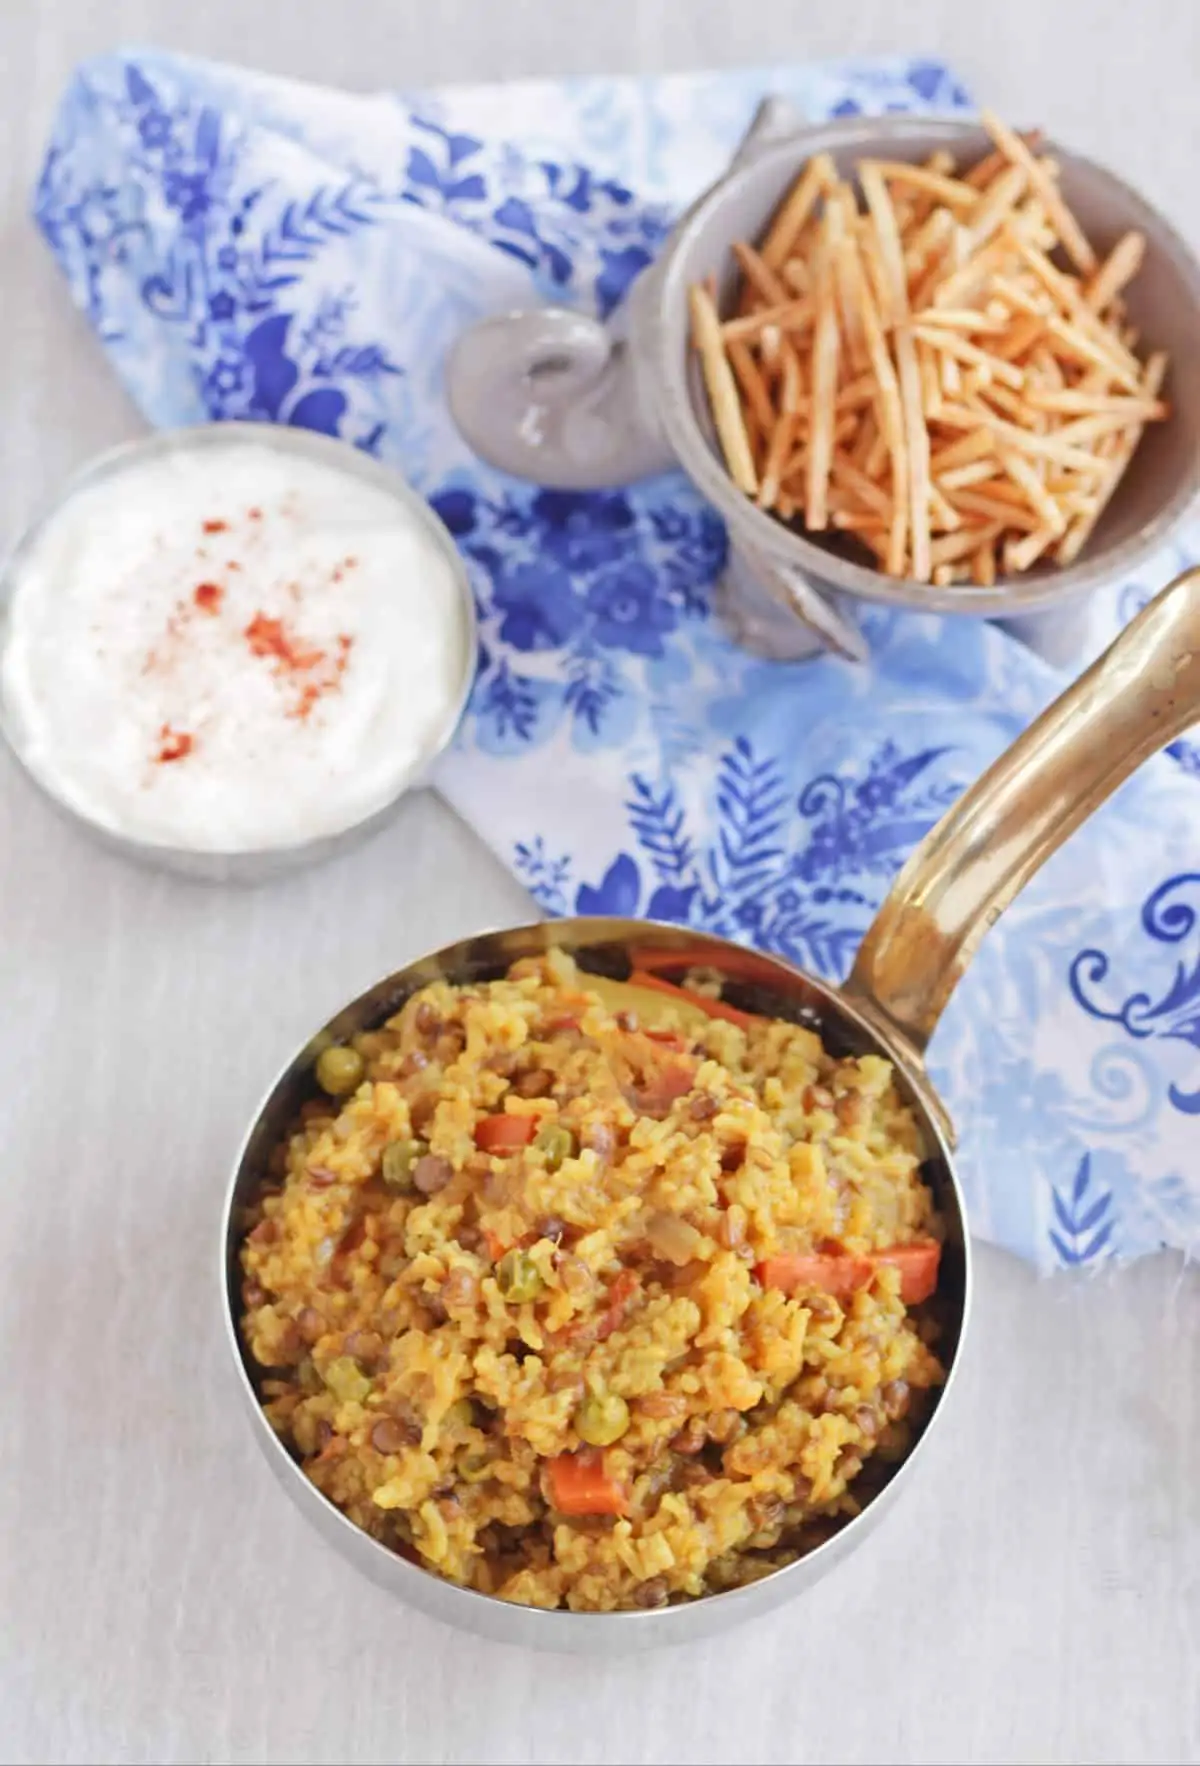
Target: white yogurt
[232, 648]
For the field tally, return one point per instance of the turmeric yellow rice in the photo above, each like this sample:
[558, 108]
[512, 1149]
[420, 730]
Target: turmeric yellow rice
[593, 1295]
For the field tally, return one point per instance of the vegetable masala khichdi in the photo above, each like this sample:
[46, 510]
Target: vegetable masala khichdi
[592, 1294]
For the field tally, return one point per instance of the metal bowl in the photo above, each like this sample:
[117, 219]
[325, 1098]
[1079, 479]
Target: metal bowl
[552, 395]
[601, 946]
[1163, 300]
[258, 864]
[1139, 696]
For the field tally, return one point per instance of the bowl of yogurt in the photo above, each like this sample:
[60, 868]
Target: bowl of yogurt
[232, 649]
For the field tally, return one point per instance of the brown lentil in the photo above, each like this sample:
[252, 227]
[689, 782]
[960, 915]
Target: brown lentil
[691, 1437]
[460, 1288]
[653, 1593]
[432, 1173]
[661, 1404]
[534, 1084]
[390, 1435]
[895, 1396]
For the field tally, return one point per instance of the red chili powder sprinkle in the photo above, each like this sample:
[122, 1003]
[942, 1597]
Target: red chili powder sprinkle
[216, 527]
[327, 683]
[270, 637]
[254, 514]
[308, 698]
[174, 744]
[209, 596]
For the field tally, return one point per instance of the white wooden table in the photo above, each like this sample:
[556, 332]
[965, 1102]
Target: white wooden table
[1037, 1597]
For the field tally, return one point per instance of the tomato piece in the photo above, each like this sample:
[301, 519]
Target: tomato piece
[579, 1485]
[504, 1134]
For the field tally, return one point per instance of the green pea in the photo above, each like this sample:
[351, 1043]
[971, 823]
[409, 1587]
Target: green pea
[602, 1418]
[556, 1142]
[340, 1070]
[346, 1380]
[517, 1277]
[399, 1158]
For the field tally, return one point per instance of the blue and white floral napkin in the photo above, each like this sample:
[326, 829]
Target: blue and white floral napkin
[246, 247]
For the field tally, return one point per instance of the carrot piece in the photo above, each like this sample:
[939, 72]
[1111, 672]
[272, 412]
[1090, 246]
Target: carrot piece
[579, 1485]
[918, 1266]
[496, 1246]
[504, 1134]
[711, 1008]
[841, 1274]
[668, 1039]
[798, 1272]
[745, 965]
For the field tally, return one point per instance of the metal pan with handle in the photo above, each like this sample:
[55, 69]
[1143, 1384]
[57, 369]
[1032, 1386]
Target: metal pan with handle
[1140, 695]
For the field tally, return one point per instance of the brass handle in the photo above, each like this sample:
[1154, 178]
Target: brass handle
[1142, 693]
